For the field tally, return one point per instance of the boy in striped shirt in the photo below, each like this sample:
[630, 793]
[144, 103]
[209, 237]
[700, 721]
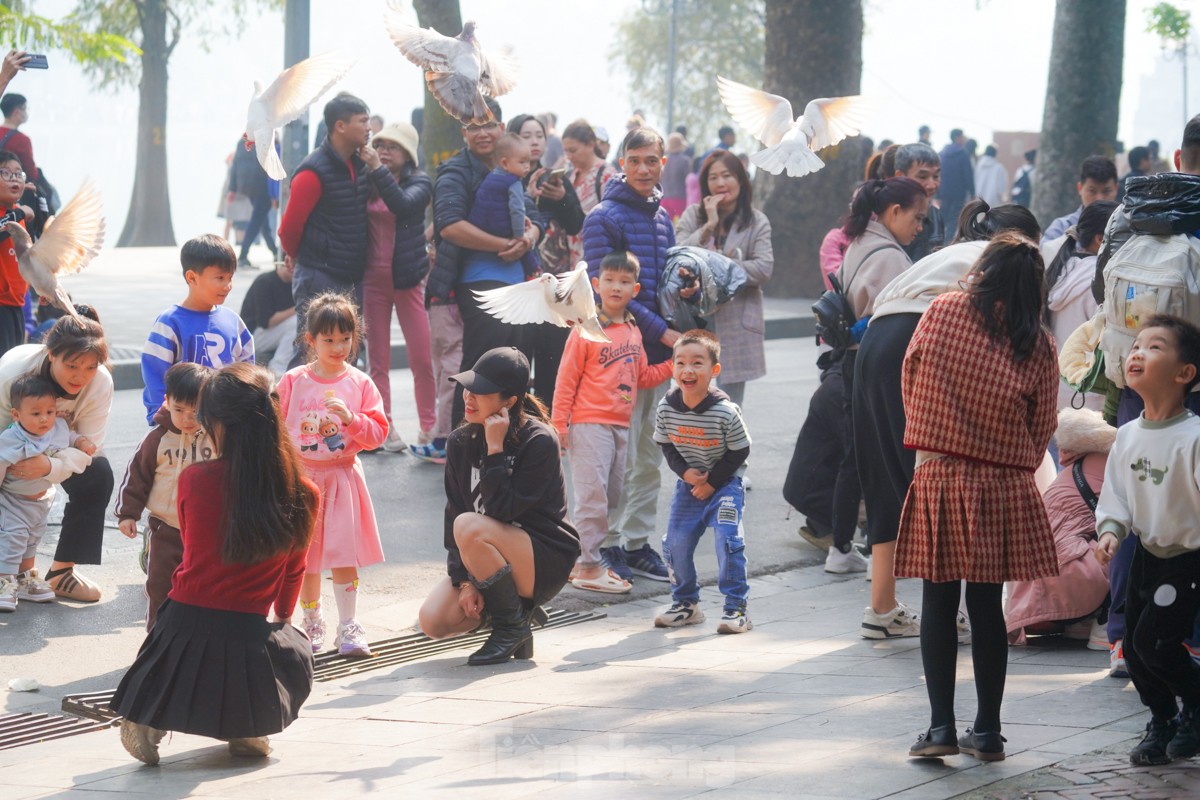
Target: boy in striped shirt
[705, 443]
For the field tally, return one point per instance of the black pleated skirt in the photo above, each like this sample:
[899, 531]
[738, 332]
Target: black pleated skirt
[222, 674]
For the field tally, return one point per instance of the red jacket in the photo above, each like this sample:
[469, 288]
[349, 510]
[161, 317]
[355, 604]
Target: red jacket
[12, 286]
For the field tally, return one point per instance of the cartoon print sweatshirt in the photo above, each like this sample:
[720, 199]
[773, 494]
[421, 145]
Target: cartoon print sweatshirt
[319, 434]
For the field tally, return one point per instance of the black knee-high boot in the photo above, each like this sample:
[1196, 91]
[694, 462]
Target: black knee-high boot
[511, 636]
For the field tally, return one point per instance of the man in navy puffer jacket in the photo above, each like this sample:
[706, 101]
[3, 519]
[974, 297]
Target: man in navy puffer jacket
[629, 218]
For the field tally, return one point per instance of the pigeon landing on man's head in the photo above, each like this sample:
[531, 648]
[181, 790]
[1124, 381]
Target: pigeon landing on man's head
[457, 70]
[288, 96]
[69, 242]
[791, 143]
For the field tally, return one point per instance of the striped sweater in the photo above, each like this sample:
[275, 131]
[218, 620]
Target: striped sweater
[711, 437]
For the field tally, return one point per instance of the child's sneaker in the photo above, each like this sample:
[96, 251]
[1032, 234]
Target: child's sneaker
[351, 640]
[839, 563]
[1152, 749]
[734, 620]
[8, 593]
[314, 626]
[1116, 661]
[646, 561]
[1186, 743]
[678, 615]
[900, 621]
[32, 588]
[428, 453]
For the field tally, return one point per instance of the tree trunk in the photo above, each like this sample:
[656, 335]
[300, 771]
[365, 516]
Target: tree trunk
[149, 220]
[1083, 98]
[441, 134]
[813, 49]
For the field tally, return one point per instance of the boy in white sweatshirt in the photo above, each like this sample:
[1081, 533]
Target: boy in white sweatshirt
[1152, 489]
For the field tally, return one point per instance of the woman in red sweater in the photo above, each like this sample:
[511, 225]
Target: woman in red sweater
[213, 665]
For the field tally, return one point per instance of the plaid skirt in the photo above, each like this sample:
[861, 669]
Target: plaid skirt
[963, 520]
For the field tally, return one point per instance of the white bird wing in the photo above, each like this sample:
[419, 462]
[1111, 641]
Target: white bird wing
[424, 47]
[767, 116]
[498, 72]
[521, 303]
[834, 118]
[574, 290]
[299, 86]
[73, 238]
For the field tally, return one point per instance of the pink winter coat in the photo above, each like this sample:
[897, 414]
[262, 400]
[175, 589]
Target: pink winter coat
[1082, 583]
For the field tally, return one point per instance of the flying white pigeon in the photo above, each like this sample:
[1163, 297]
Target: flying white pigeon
[288, 96]
[457, 70]
[565, 301]
[69, 241]
[791, 144]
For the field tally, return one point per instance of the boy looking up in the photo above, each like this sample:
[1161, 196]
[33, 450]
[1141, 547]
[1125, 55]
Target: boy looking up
[1152, 489]
[12, 285]
[705, 442]
[594, 398]
[152, 480]
[200, 329]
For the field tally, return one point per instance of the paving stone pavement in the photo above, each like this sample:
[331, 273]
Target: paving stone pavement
[800, 707]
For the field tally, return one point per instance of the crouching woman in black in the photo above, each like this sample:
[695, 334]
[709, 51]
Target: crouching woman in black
[509, 545]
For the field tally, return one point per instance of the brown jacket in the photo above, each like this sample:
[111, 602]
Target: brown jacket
[152, 477]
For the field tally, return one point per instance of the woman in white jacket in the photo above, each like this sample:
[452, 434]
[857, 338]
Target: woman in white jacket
[73, 360]
[1069, 300]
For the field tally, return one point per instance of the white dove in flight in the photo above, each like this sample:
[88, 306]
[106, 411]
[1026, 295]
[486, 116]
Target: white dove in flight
[289, 96]
[457, 70]
[69, 241]
[565, 301]
[791, 144]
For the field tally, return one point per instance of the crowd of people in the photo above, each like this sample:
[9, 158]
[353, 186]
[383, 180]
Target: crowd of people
[940, 425]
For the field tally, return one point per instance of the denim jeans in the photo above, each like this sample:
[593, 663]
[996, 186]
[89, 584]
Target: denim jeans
[690, 518]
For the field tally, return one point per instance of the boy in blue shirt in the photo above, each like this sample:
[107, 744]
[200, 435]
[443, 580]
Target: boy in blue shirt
[200, 329]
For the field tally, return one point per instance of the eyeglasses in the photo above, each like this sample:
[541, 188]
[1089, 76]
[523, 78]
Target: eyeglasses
[487, 126]
[5, 175]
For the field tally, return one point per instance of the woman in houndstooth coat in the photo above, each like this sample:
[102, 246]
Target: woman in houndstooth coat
[980, 383]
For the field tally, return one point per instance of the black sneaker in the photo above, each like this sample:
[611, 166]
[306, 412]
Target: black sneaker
[1186, 742]
[646, 561]
[614, 559]
[935, 743]
[1152, 749]
[984, 746]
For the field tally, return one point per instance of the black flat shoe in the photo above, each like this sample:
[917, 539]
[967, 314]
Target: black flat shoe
[934, 743]
[984, 746]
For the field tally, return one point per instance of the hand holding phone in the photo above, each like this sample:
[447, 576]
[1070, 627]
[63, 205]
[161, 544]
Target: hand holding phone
[36, 61]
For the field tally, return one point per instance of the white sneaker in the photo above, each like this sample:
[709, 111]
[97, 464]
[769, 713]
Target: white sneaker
[351, 640]
[840, 563]
[8, 593]
[393, 443]
[1098, 636]
[900, 621]
[964, 628]
[1078, 631]
[314, 626]
[1116, 661]
[32, 588]
[735, 621]
[679, 615]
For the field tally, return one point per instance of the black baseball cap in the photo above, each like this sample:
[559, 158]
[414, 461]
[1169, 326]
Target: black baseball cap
[501, 369]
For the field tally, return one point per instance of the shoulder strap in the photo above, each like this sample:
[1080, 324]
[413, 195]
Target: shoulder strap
[600, 181]
[4, 139]
[858, 269]
[1085, 489]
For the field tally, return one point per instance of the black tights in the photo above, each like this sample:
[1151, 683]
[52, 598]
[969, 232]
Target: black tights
[939, 650]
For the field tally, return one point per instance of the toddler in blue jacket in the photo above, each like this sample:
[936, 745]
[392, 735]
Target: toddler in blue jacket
[499, 205]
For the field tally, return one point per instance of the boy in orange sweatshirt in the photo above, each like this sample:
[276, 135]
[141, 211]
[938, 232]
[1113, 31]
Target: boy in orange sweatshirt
[594, 395]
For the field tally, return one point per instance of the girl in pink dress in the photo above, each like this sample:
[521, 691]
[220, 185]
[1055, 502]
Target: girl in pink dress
[349, 416]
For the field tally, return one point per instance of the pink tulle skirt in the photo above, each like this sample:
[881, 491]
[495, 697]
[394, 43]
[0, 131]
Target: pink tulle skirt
[345, 534]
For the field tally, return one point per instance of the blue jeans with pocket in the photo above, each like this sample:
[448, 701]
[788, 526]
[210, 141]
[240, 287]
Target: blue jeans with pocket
[690, 518]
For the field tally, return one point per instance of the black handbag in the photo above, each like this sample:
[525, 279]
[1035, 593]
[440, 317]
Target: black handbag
[833, 312]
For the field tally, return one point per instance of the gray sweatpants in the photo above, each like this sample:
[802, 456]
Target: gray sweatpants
[632, 523]
[597, 456]
[22, 524]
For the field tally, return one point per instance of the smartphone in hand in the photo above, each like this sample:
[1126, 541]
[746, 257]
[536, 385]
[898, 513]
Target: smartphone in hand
[37, 61]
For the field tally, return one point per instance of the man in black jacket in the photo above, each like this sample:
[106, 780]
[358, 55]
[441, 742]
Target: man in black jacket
[458, 178]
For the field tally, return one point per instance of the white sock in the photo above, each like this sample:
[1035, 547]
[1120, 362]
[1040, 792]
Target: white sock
[346, 596]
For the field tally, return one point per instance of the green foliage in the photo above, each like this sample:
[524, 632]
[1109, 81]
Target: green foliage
[27, 31]
[713, 37]
[1170, 23]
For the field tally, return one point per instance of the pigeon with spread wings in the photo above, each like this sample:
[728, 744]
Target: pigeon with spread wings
[791, 143]
[288, 96]
[457, 70]
[69, 241]
[565, 301]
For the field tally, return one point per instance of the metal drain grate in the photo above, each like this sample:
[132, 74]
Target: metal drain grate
[29, 728]
[331, 666]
